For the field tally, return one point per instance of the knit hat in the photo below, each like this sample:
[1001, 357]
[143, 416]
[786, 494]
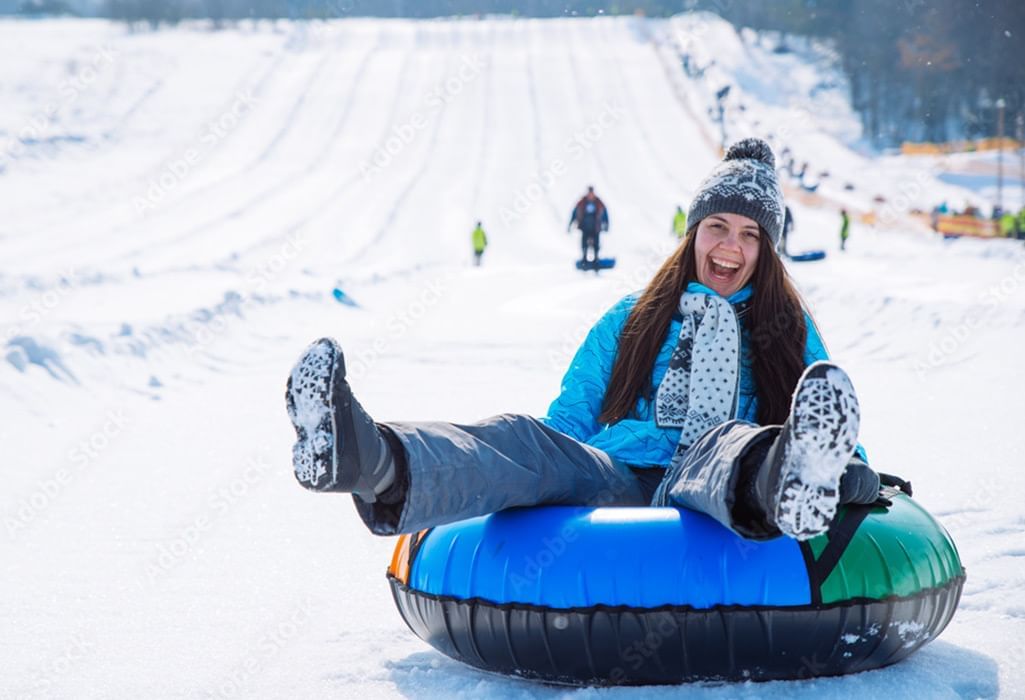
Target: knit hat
[744, 183]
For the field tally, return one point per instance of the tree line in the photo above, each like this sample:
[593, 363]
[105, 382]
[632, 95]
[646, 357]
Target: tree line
[174, 10]
[919, 70]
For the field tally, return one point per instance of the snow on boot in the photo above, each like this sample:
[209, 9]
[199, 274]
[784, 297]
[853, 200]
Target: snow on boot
[339, 447]
[798, 483]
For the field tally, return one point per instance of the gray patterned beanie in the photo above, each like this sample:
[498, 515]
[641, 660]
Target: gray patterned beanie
[744, 183]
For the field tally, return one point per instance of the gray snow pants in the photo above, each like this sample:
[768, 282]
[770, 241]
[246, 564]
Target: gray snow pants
[453, 472]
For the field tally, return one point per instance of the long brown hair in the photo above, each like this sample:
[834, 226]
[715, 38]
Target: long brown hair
[774, 324]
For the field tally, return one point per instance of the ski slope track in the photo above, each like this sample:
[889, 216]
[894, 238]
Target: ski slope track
[176, 207]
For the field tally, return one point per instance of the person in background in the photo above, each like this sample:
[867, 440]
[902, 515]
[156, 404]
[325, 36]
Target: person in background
[1008, 221]
[680, 222]
[787, 159]
[788, 226]
[845, 228]
[591, 217]
[1021, 223]
[480, 242]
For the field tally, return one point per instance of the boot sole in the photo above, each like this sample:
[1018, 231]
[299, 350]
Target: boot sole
[310, 399]
[823, 435]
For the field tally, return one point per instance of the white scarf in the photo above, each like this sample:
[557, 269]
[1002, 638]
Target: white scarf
[699, 390]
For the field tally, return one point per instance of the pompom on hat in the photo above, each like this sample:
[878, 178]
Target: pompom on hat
[743, 183]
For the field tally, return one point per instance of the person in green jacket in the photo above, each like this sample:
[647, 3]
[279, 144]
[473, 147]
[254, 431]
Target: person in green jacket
[1021, 223]
[1008, 221]
[680, 222]
[480, 242]
[845, 228]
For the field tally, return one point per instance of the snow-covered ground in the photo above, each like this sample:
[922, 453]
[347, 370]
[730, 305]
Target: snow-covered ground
[175, 208]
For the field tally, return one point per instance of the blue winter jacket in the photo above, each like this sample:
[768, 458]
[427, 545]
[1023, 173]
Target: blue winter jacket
[637, 440]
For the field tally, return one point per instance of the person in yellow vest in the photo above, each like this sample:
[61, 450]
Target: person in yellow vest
[1021, 223]
[1007, 224]
[680, 222]
[480, 242]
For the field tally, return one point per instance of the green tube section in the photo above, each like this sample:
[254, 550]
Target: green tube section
[900, 551]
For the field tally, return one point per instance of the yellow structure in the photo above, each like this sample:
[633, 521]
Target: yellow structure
[910, 148]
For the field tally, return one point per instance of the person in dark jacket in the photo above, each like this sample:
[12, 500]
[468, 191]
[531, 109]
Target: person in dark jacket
[592, 217]
[788, 227]
[709, 390]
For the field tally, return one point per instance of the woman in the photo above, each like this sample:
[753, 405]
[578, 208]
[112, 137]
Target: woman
[710, 390]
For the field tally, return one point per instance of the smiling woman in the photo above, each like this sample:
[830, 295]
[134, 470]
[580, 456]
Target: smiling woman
[736, 223]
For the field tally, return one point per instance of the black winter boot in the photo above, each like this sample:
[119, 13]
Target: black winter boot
[340, 448]
[797, 483]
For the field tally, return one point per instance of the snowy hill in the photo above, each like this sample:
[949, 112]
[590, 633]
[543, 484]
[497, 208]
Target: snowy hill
[176, 208]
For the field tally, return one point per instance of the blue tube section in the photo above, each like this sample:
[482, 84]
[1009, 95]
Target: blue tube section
[578, 557]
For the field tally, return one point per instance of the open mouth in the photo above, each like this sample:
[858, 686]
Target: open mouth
[723, 270]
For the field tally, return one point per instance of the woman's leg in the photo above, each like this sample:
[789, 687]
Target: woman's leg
[707, 477]
[409, 476]
[761, 481]
[448, 472]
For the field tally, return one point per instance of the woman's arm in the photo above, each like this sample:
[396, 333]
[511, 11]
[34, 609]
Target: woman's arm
[814, 348]
[575, 411]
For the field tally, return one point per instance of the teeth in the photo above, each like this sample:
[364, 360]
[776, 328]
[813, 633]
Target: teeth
[726, 263]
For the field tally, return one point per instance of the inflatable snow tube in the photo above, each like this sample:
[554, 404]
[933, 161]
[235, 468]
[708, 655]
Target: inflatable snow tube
[600, 264]
[808, 256]
[632, 596]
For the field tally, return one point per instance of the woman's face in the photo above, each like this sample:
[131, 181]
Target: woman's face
[726, 251]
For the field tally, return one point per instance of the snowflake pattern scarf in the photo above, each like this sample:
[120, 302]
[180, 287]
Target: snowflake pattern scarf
[699, 390]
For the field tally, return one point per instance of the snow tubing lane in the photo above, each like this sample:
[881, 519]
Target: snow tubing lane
[633, 596]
